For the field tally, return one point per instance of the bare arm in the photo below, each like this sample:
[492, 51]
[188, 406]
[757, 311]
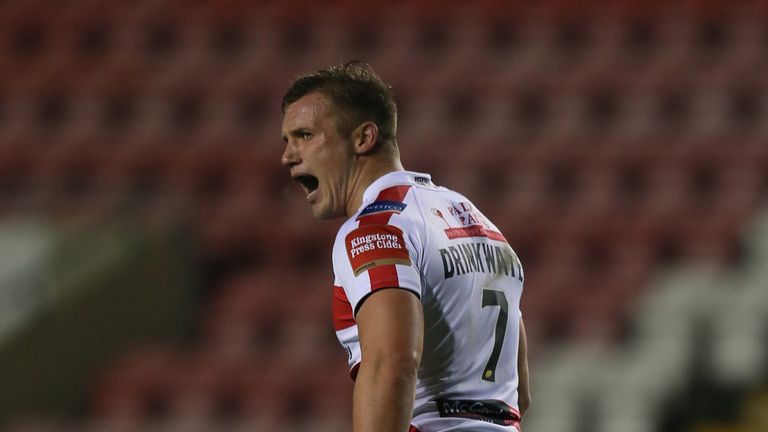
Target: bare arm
[523, 388]
[391, 328]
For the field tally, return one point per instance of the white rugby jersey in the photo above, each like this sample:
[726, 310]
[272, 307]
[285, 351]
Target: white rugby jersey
[411, 234]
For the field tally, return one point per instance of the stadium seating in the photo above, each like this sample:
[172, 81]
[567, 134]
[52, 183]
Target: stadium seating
[605, 140]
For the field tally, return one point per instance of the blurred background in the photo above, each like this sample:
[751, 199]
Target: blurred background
[160, 271]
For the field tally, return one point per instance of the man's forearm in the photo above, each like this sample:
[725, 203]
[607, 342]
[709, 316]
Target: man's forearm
[383, 397]
[523, 388]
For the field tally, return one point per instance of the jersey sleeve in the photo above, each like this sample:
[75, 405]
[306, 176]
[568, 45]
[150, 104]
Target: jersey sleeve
[368, 257]
[345, 327]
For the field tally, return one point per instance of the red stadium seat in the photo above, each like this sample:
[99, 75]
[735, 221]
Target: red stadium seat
[139, 386]
[211, 387]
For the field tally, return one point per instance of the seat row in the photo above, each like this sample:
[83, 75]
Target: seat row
[160, 385]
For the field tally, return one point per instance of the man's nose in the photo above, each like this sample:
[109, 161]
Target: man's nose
[290, 155]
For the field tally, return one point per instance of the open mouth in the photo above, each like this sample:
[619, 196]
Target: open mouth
[308, 182]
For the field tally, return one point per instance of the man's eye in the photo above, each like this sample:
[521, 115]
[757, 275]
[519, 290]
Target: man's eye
[306, 135]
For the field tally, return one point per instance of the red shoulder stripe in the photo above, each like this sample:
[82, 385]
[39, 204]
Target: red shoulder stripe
[385, 276]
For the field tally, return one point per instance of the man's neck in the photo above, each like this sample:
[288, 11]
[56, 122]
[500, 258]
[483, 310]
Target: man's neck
[369, 172]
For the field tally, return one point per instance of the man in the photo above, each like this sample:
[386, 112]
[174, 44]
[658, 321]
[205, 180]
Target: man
[427, 292]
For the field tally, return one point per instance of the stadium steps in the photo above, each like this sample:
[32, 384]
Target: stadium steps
[68, 317]
[752, 418]
[692, 323]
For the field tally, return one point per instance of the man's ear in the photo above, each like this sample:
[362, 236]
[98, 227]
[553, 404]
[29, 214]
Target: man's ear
[364, 137]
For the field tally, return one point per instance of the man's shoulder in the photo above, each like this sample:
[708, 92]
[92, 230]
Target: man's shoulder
[376, 213]
[343, 230]
[400, 211]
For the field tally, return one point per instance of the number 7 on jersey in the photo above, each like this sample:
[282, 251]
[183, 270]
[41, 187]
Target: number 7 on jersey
[496, 298]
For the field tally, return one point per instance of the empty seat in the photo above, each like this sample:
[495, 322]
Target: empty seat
[138, 386]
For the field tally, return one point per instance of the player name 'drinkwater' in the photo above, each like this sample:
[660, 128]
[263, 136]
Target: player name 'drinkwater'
[480, 257]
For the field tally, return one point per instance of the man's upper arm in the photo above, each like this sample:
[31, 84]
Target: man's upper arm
[391, 326]
[370, 258]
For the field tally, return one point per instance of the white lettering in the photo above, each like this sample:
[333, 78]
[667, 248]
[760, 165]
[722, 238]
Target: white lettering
[369, 242]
